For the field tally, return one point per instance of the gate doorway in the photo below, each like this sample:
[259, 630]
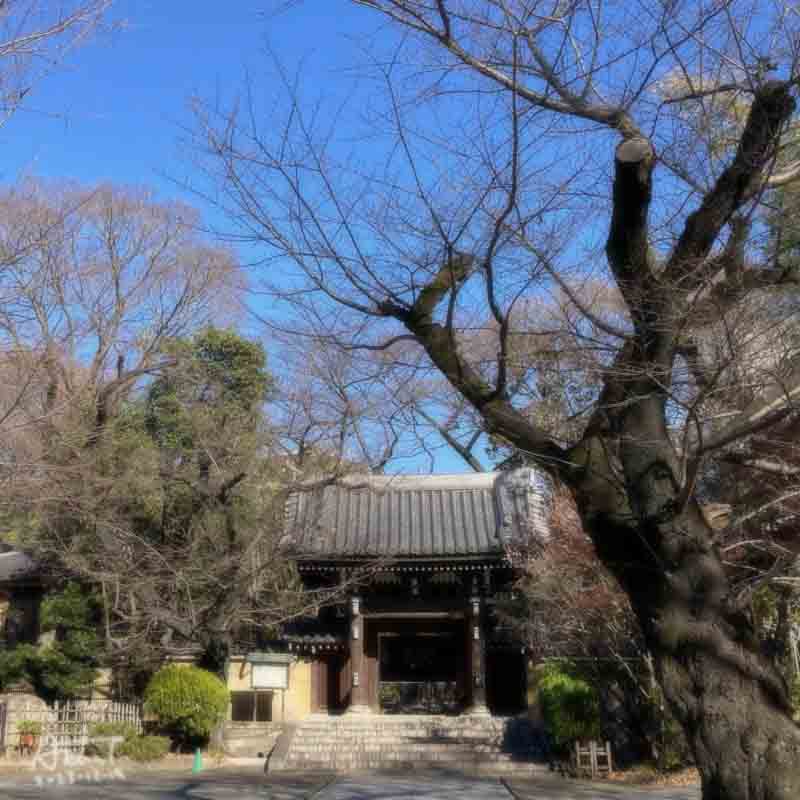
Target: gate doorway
[418, 673]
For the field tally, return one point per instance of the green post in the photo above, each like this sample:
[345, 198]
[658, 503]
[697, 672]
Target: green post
[197, 766]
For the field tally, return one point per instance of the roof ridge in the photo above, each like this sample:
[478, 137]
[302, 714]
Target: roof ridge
[429, 482]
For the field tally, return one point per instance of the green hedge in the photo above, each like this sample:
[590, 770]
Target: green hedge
[144, 748]
[188, 701]
[569, 705]
[124, 729]
[103, 730]
[133, 746]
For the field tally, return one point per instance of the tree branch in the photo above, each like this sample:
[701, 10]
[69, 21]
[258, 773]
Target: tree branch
[568, 103]
[463, 450]
[501, 417]
[773, 405]
[772, 107]
[628, 246]
[772, 466]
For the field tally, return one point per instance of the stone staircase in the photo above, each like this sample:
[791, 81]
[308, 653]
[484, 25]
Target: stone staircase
[250, 739]
[468, 743]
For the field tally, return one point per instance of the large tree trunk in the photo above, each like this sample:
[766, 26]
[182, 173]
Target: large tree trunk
[216, 655]
[745, 743]
[216, 658]
[728, 695]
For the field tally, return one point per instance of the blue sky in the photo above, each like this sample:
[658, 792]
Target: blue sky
[116, 110]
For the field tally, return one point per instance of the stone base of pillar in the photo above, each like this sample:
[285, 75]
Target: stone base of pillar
[358, 709]
[478, 710]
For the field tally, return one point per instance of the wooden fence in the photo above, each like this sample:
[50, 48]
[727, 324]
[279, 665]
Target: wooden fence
[593, 758]
[66, 725]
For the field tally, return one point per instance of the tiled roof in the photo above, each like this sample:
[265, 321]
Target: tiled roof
[417, 516]
[15, 565]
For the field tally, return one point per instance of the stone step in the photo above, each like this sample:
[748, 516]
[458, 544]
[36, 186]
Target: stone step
[249, 739]
[476, 746]
[452, 734]
[352, 731]
[485, 745]
[367, 747]
[460, 761]
[387, 745]
[399, 753]
[406, 743]
[412, 747]
[386, 723]
[447, 734]
[468, 767]
[247, 735]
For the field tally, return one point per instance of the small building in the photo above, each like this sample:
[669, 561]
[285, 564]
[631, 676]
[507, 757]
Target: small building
[21, 591]
[422, 563]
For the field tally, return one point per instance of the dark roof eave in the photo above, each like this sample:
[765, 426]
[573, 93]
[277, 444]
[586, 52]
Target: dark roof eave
[22, 582]
[400, 561]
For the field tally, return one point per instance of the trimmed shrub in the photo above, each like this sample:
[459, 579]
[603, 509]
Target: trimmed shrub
[570, 706]
[188, 701]
[144, 748]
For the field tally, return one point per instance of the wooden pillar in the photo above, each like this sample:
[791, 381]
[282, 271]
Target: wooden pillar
[478, 652]
[319, 685]
[315, 676]
[358, 697]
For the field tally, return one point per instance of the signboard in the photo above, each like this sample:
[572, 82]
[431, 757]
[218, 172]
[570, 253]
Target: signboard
[270, 676]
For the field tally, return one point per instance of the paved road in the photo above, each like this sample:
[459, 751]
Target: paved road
[432, 788]
[455, 788]
[253, 785]
[217, 785]
[554, 788]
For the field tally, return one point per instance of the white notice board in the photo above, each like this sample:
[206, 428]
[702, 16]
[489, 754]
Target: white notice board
[270, 676]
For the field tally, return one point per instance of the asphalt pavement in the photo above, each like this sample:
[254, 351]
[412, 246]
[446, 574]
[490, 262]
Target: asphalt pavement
[254, 785]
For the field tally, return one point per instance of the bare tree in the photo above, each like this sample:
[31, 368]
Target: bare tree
[95, 281]
[35, 38]
[136, 453]
[524, 150]
[335, 408]
[371, 410]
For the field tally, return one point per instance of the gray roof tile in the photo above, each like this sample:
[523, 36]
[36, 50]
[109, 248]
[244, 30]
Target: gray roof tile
[422, 516]
[15, 565]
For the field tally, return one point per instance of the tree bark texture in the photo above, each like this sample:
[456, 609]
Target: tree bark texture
[727, 693]
[729, 697]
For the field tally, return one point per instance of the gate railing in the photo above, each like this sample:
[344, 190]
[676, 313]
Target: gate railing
[428, 697]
